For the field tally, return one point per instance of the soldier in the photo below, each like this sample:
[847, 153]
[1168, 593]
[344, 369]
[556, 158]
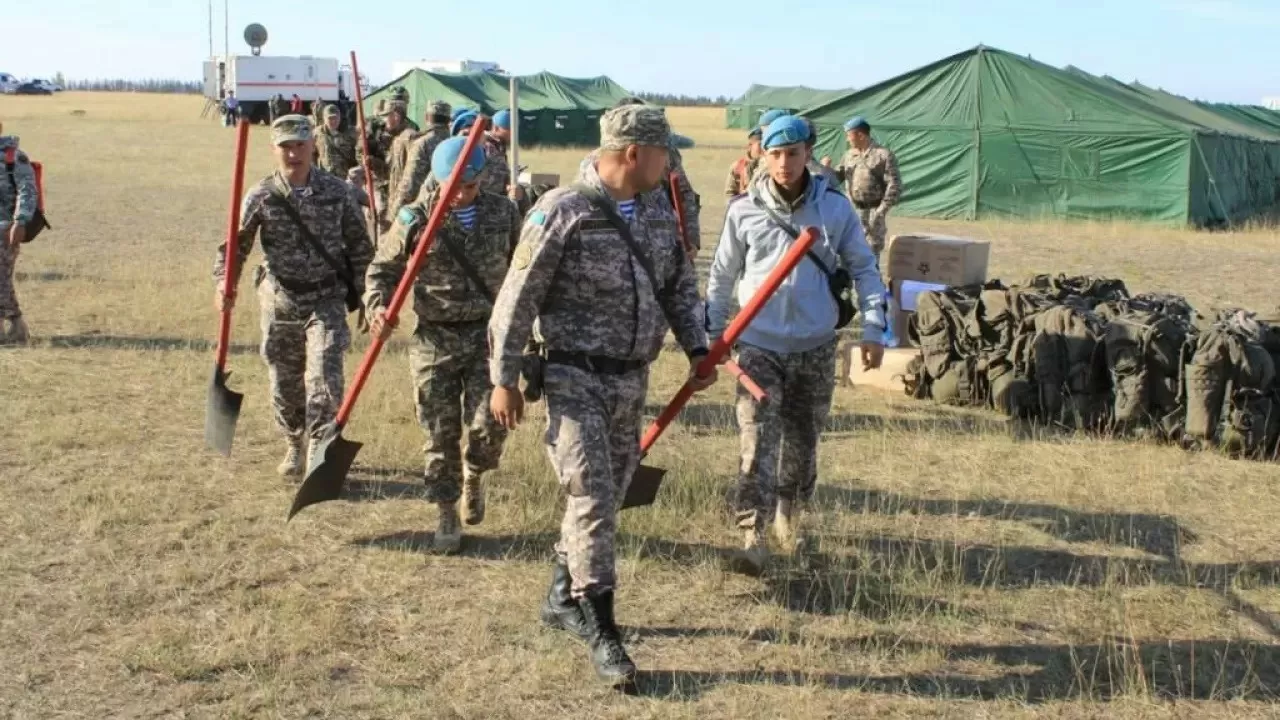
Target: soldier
[816, 168]
[453, 297]
[790, 347]
[303, 296]
[417, 166]
[741, 171]
[497, 171]
[599, 310]
[692, 202]
[870, 174]
[18, 202]
[380, 139]
[335, 149]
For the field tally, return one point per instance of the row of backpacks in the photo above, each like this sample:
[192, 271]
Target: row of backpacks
[1083, 353]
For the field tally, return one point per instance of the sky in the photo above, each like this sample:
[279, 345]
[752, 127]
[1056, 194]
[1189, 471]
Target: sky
[1220, 50]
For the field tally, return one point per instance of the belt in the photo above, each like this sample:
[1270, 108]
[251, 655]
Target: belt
[300, 287]
[595, 363]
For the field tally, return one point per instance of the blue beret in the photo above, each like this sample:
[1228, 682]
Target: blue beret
[786, 130]
[768, 116]
[502, 119]
[756, 132]
[857, 123]
[465, 120]
[458, 111]
[446, 156]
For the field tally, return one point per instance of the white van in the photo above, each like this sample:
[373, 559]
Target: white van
[8, 83]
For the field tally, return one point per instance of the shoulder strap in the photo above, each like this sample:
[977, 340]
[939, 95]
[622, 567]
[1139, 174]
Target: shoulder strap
[343, 271]
[792, 231]
[460, 257]
[10, 159]
[623, 229]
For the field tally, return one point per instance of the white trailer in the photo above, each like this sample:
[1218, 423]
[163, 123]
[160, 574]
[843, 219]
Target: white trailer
[256, 79]
[400, 67]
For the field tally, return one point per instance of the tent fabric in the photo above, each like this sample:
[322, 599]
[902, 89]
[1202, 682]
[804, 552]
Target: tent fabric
[744, 112]
[988, 133]
[554, 110]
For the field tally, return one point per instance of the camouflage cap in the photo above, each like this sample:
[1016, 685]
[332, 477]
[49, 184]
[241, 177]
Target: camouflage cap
[332, 111]
[440, 108]
[396, 106]
[634, 125]
[291, 128]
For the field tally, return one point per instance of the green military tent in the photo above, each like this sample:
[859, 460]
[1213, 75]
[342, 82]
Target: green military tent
[744, 112]
[988, 133]
[554, 110]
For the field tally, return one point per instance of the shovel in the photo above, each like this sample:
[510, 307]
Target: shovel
[364, 142]
[332, 457]
[732, 367]
[222, 409]
[647, 479]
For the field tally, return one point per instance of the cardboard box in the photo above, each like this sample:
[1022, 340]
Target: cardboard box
[528, 178]
[942, 260]
[887, 377]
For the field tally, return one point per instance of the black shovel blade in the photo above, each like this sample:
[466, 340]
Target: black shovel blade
[332, 461]
[644, 487]
[222, 411]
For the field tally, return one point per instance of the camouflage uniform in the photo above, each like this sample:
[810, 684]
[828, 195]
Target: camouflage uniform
[303, 310]
[497, 171]
[872, 182]
[417, 168]
[19, 208]
[692, 203]
[740, 174]
[448, 359]
[577, 278]
[336, 151]
[381, 139]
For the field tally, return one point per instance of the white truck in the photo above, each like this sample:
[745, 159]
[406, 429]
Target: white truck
[8, 83]
[256, 79]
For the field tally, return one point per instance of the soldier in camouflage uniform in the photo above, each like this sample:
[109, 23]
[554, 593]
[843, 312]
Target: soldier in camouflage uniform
[335, 149]
[381, 137]
[602, 324]
[497, 171]
[449, 358]
[790, 347]
[744, 168]
[302, 297]
[870, 174]
[417, 167]
[18, 202]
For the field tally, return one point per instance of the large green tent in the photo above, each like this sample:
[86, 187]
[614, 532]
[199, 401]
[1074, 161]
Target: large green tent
[989, 133]
[744, 112]
[554, 110]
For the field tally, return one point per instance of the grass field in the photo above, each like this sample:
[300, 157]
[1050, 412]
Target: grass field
[960, 569]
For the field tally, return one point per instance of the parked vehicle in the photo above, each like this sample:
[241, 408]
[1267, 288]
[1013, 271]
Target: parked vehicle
[31, 88]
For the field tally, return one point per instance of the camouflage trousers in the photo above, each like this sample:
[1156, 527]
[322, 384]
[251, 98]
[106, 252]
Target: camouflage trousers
[8, 263]
[593, 438]
[873, 226]
[779, 438]
[450, 371]
[303, 340]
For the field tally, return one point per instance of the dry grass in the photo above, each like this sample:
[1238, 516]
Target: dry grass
[960, 570]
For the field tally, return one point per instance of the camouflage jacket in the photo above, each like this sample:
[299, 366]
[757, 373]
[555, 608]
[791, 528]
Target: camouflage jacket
[576, 277]
[17, 207]
[871, 177]
[380, 142]
[398, 157]
[497, 171]
[443, 292]
[336, 151]
[417, 168]
[740, 174]
[662, 193]
[330, 211]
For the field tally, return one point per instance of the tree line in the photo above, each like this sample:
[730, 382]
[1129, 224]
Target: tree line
[671, 100]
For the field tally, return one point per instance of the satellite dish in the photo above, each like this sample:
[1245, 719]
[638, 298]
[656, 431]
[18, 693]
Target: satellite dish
[256, 36]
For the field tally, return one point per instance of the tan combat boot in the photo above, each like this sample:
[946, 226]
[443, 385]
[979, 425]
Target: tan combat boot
[295, 460]
[473, 498]
[448, 537]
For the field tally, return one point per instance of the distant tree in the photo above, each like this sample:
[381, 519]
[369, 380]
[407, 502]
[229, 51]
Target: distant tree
[154, 85]
[59, 79]
[673, 100]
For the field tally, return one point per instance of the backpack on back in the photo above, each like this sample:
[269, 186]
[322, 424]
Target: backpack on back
[38, 221]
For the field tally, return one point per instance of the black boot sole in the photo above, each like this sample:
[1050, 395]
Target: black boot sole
[555, 621]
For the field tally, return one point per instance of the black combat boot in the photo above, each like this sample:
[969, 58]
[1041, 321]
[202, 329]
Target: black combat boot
[607, 654]
[560, 611]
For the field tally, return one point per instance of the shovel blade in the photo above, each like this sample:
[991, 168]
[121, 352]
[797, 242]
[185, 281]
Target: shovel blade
[644, 487]
[325, 478]
[222, 411]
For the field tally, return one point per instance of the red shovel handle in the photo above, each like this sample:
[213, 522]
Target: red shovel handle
[748, 384]
[423, 244]
[231, 267]
[720, 348]
[364, 143]
[678, 202]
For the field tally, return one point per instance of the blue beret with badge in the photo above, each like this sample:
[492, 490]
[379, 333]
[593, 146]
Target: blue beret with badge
[786, 130]
[446, 156]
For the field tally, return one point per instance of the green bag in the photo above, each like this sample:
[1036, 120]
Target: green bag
[1069, 365]
[1231, 387]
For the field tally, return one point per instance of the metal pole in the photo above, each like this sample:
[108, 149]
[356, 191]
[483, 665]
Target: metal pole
[226, 28]
[515, 132]
[210, 29]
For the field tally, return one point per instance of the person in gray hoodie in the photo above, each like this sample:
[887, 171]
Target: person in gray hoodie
[790, 347]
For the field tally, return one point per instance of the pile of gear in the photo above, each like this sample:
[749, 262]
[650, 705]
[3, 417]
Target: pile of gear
[1082, 353]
